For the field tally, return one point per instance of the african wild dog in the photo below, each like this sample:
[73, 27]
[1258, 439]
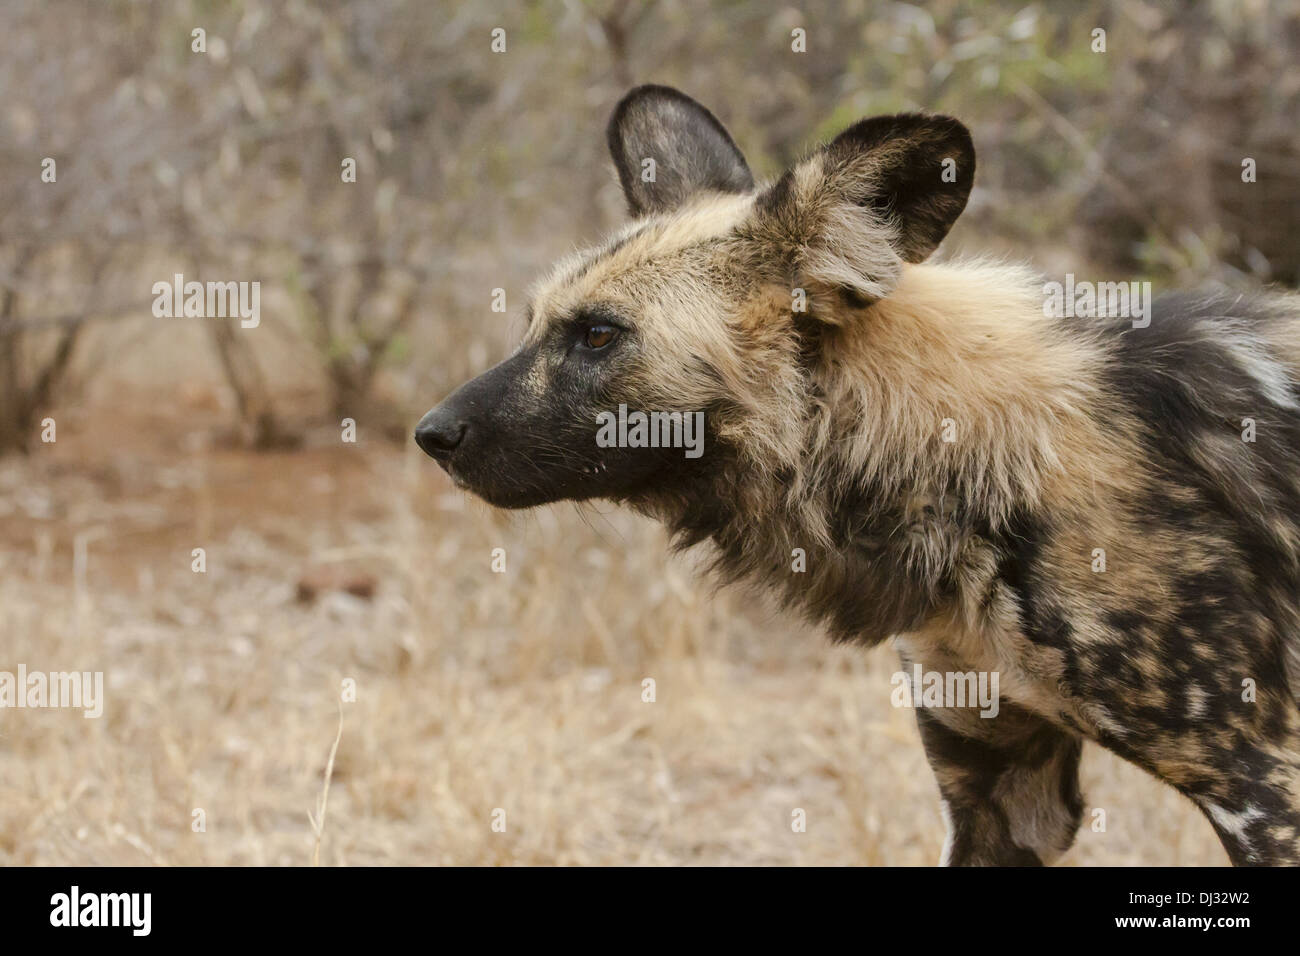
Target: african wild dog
[826, 430]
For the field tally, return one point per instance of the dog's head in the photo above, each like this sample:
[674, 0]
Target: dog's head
[686, 340]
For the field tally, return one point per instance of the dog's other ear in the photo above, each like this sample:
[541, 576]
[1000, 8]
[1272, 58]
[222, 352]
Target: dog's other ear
[690, 150]
[881, 194]
[913, 170]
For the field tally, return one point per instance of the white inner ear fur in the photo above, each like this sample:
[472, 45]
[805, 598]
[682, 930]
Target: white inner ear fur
[845, 244]
[853, 248]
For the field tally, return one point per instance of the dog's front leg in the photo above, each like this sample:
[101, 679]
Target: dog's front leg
[1009, 784]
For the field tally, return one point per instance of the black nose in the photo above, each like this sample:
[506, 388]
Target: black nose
[439, 433]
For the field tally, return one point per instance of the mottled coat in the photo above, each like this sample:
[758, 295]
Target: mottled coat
[1070, 503]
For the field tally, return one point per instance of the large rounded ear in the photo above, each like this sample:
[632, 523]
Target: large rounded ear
[666, 146]
[913, 170]
[883, 193]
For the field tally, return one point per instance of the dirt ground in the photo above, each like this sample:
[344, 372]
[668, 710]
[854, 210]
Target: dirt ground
[479, 695]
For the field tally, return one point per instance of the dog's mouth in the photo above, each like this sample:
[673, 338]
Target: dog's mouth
[493, 485]
[457, 478]
[486, 491]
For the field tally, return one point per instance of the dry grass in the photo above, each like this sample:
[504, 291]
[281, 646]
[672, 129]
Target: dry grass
[475, 690]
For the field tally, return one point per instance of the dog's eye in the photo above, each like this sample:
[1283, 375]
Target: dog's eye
[598, 336]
